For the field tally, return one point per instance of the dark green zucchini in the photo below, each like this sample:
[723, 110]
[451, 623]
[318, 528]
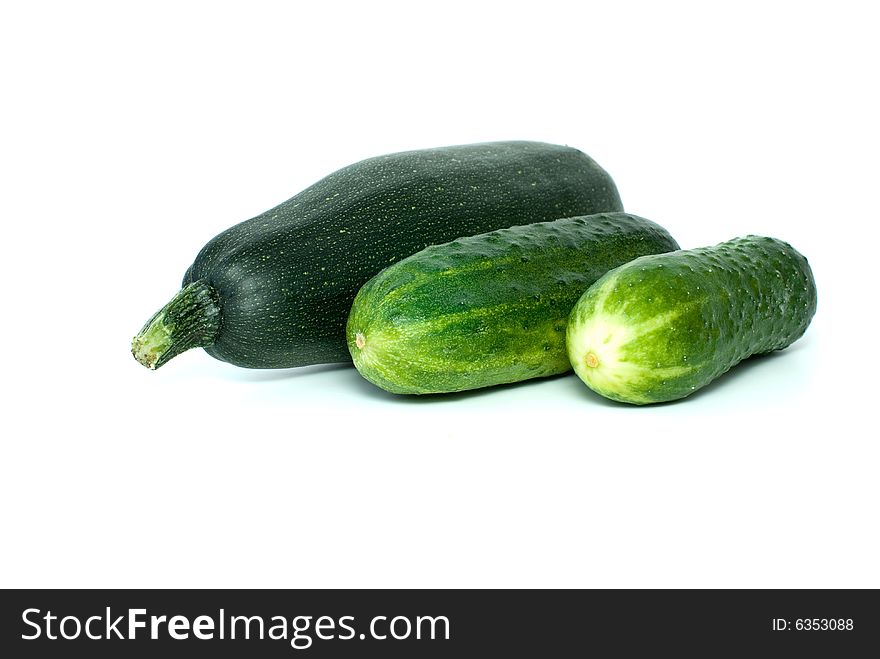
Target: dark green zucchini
[275, 291]
[488, 309]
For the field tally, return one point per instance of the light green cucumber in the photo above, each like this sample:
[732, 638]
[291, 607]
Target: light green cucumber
[661, 327]
[488, 309]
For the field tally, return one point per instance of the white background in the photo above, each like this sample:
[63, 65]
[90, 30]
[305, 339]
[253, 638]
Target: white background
[132, 133]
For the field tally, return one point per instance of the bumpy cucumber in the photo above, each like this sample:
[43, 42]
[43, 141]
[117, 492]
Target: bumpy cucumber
[488, 309]
[275, 291]
[661, 327]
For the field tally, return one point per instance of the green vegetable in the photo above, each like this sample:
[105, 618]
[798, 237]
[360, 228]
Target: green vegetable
[275, 291]
[488, 309]
[661, 327]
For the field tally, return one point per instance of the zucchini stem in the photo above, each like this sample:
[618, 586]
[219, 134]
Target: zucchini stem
[190, 320]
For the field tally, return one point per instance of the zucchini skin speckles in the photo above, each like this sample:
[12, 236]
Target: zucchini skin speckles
[488, 309]
[662, 327]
